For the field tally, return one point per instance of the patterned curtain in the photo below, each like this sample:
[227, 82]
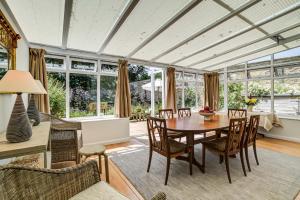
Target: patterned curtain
[123, 95]
[211, 90]
[37, 68]
[171, 89]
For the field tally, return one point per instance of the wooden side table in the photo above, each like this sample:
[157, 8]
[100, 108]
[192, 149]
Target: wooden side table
[96, 150]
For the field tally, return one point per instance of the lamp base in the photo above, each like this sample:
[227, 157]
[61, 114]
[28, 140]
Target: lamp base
[19, 128]
[33, 112]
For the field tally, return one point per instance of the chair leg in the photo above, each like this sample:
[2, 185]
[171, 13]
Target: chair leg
[168, 169]
[242, 161]
[247, 158]
[203, 157]
[221, 159]
[100, 163]
[149, 161]
[227, 168]
[255, 154]
[191, 162]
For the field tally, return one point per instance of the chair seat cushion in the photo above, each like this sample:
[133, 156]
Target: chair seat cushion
[175, 146]
[99, 191]
[218, 144]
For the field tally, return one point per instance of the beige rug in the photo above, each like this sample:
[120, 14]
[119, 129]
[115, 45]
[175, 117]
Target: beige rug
[277, 176]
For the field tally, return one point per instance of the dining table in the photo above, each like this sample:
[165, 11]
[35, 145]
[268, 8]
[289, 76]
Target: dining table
[193, 125]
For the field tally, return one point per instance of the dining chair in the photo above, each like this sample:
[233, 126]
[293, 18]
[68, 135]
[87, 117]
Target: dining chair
[237, 113]
[166, 113]
[160, 142]
[184, 112]
[250, 139]
[229, 145]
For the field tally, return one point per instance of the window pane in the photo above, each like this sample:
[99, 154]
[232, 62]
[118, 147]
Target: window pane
[261, 89]
[189, 77]
[200, 95]
[236, 95]
[291, 55]
[179, 89]
[190, 95]
[263, 61]
[83, 66]
[158, 92]
[109, 68]
[259, 73]
[236, 76]
[54, 63]
[57, 93]
[140, 88]
[178, 76]
[2, 72]
[236, 67]
[287, 96]
[287, 70]
[107, 94]
[221, 94]
[83, 95]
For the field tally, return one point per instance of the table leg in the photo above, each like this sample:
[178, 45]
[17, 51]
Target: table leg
[45, 159]
[106, 168]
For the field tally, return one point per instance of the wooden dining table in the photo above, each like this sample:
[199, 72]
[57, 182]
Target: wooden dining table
[194, 125]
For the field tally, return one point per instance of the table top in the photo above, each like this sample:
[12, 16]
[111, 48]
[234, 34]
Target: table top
[196, 123]
[37, 143]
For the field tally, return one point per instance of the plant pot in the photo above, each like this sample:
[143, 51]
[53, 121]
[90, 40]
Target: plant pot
[250, 108]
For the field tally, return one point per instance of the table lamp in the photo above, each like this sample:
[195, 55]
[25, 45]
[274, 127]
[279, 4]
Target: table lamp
[18, 82]
[32, 111]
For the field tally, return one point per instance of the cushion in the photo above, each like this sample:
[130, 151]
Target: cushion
[175, 146]
[218, 144]
[99, 191]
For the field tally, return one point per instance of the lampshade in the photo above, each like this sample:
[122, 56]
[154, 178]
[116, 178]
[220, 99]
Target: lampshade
[42, 89]
[16, 81]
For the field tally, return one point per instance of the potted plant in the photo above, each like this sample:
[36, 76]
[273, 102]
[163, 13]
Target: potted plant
[250, 102]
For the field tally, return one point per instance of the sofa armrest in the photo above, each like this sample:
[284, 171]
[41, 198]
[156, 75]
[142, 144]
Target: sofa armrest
[19, 182]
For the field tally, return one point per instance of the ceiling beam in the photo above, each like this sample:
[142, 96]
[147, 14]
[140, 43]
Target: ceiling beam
[281, 42]
[66, 25]
[171, 21]
[211, 26]
[126, 12]
[246, 44]
[274, 17]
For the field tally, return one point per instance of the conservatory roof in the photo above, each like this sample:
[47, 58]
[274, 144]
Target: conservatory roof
[199, 34]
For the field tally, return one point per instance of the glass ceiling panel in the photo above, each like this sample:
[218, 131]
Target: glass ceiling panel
[291, 32]
[92, 21]
[182, 29]
[266, 8]
[242, 39]
[293, 44]
[235, 3]
[144, 20]
[282, 22]
[220, 32]
[39, 23]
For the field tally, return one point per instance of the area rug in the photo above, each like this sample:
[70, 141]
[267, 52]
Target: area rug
[277, 177]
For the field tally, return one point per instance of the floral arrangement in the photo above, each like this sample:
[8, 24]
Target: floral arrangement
[251, 101]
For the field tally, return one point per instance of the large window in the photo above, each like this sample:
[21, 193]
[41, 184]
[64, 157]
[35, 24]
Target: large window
[236, 94]
[261, 89]
[107, 94]
[3, 62]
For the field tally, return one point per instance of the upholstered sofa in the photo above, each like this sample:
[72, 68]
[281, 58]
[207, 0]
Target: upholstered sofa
[79, 182]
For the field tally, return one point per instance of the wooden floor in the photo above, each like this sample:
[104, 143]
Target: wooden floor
[120, 182]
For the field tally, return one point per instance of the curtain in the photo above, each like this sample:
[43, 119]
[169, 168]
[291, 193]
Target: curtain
[123, 96]
[37, 68]
[171, 89]
[211, 90]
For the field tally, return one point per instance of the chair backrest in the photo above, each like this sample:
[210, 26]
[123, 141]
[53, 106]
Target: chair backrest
[157, 133]
[252, 129]
[184, 112]
[237, 113]
[166, 113]
[235, 134]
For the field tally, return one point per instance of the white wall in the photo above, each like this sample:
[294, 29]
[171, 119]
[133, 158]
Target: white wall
[7, 101]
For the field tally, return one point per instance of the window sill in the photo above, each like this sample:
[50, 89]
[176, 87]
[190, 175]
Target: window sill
[288, 117]
[93, 118]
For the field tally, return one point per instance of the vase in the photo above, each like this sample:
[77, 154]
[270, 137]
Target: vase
[250, 108]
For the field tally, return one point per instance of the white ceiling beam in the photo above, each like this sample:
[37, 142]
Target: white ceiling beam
[126, 12]
[246, 44]
[209, 27]
[274, 17]
[171, 21]
[281, 42]
[66, 25]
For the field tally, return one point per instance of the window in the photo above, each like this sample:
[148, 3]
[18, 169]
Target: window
[263, 61]
[261, 89]
[57, 93]
[109, 68]
[158, 83]
[82, 65]
[232, 76]
[83, 95]
[221, 91]
[179, 90]
[107, 94]
[259, 73]
[54, 62]
[287, 70]
[236, 94]
[190, 95]
[291, 55]
[236, 67]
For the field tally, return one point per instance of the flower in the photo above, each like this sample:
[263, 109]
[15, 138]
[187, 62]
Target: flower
[251, 101]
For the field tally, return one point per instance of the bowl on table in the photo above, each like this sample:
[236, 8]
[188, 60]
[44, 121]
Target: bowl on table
[207, 115]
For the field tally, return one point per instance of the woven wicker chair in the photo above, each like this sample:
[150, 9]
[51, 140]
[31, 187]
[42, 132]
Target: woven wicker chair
[64, 140]
[19, 182]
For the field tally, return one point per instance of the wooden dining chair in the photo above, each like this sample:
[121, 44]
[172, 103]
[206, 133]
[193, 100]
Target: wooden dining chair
[184, 112]
[166, 113]
[237, 113]
[161, 143]
[229, 145]
[250, 139]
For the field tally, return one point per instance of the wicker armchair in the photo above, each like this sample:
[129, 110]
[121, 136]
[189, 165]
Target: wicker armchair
[64, 140]
[19, 182]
